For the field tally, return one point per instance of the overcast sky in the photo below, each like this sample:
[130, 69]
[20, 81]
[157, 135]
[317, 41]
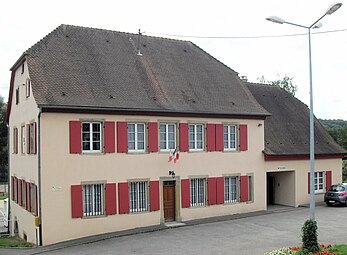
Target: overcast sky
[23, 23]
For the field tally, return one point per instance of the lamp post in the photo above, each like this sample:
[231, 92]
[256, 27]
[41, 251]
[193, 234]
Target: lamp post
[314, 25]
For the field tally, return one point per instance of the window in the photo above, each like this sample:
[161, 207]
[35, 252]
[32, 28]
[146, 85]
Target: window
[15, 190]
[319, 181]
[27, 87]
[22, 69]
[136, 137]
[167, 137]
[93, 199]
[33, 198]
[197, 192]
[231, 189]
[17, 95]
[22, 147]
[91, 136]
[250, 188]
[32, 137]
[15, 140]
[138, 196]
[196, 137]
[29, 138]
[230, 137]
[24, 193]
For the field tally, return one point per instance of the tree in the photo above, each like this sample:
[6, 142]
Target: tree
[285, 83]
[3, 141]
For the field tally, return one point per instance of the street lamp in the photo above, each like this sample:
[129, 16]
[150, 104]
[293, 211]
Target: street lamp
[314, 25]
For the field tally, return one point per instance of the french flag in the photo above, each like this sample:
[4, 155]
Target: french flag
[174, 156]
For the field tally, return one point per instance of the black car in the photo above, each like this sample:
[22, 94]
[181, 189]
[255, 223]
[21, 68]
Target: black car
[337, 194]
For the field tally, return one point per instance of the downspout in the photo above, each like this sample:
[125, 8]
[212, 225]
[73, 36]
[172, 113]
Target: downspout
[9, 188]
[39, 173]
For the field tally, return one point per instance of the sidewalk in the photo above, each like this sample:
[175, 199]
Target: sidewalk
[262, 218]
[97, 238]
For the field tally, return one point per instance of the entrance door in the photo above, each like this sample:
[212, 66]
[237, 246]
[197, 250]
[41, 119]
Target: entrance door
[270, 189]
[169, 200]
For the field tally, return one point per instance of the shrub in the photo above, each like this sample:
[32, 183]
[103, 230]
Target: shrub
[309, 236]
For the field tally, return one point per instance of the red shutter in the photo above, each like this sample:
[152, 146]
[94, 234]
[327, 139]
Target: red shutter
[212, 191]
[123, 197]
[244, 188]
[153, 137]
[211, 137]
[219, 137]
[36, 201]
[308, 183]
[28, 138]
[12, 187]
[76, 201]
[122, 137]
[184, 137]
[185, 193]
[243, 138]
[75, 137]
[111, 199]
[154, 195]
[28, 197]
[35, 137]
[327, 180]
[220, 190]
[109, 137]
[19, 185]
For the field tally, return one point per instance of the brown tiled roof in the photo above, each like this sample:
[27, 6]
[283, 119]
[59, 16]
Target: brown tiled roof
[287, 130]
[77, 67]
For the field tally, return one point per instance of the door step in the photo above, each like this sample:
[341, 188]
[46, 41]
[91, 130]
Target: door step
[174, 224]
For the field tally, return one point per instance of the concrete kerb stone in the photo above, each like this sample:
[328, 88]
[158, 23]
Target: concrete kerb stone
[101, 237]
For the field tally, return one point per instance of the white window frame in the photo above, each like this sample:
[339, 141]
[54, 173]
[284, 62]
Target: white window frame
[166, 138]
[91, 133]
[231, 189]
[136, 137]
[193, 127]
[198, 192]
[319, 179]
[93, 196]
[139, 196]
[229, 134]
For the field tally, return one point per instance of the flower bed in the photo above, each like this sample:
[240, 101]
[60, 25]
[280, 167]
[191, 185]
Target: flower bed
[324, 250]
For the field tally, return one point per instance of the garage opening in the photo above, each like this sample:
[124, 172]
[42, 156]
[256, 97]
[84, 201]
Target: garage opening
[281, 188]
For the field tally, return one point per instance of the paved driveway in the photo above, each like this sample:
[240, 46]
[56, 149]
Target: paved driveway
[251, 235]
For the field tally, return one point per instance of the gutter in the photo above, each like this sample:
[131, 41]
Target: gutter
[151, 112]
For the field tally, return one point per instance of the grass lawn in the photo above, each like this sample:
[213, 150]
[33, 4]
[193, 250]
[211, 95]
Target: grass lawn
[13, 242]
[2, 197]
[341, 249]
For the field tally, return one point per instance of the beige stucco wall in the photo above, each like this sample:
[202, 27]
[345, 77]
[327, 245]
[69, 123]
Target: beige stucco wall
[60, 170]
[23, 166]
[301, 169]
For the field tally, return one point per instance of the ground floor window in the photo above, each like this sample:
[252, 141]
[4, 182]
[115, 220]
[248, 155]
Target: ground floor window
[319, 181]
[231, 189]
[93, 199]
[197, 192]
[139, 196]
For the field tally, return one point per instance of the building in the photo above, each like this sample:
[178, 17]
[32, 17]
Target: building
[95, 115]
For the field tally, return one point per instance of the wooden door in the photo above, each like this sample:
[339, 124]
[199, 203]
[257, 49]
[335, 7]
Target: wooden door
[169, 200]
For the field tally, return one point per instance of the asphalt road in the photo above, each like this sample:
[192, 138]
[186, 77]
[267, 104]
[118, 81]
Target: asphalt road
[251, 235]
